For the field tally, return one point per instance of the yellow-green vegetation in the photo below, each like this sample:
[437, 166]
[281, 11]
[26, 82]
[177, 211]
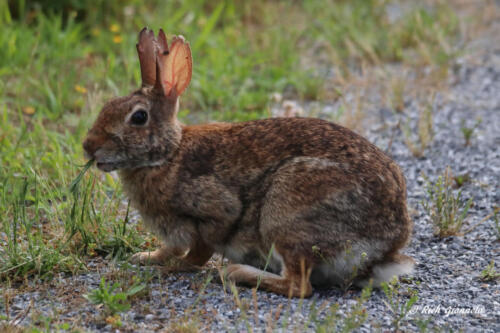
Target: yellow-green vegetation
[356, 316]
[497, 223]
[61, 60]
[400, 304]
[424, 134]
[446, 207]
[490, 273]
[468, 132]
[113, 297]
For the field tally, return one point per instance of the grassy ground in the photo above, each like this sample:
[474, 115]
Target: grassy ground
[60, 61]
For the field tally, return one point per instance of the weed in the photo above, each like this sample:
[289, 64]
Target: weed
[446, 208]
[308, 85]
[468, 132]
[397, 304]
[10, 328]
[423, 324]
[200, 294]
[497, 223]
[356, 316]
[114, 320]
[424, 132]
[111, 298]
[490, 273]
[242, 305]
[189, 325]
[190, 320]
[397, 100]
[460, 180]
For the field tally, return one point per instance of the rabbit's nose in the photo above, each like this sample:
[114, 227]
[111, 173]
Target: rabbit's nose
[90, 147]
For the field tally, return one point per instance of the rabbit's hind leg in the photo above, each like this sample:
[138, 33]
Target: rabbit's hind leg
[292, 282]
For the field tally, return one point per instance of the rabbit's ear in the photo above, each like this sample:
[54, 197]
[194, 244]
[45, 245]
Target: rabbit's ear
[147, 56]
[162, 42]
[175, 67]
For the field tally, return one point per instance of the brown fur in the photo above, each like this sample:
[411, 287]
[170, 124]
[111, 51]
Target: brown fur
[306, 187]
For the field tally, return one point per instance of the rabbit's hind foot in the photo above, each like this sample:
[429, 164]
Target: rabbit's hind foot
[290, 284]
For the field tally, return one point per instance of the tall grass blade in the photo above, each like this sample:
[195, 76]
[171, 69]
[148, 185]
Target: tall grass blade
[74, 184]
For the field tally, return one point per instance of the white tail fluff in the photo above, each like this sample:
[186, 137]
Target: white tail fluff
[387, 271]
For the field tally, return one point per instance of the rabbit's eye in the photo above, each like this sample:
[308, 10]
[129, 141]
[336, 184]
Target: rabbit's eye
[139, 117]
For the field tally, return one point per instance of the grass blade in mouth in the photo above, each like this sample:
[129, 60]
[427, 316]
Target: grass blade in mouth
[74, 184]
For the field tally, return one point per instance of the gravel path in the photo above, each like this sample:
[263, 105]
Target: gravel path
[447, 274]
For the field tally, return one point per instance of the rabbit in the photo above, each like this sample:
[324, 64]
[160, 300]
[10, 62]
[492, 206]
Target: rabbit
[292, 203]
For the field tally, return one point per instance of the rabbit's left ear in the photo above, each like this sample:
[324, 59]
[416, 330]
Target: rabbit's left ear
[174, 67]
[147, 57]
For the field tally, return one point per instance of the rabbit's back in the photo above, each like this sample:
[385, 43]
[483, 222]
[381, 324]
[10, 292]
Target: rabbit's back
[245, 150]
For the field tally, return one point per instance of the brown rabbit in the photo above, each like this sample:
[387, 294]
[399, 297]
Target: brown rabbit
[309, 200]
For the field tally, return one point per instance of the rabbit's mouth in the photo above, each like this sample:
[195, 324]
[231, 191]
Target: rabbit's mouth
[107, 166]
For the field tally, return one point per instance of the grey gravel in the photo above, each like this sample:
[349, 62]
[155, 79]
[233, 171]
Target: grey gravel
[447, 274]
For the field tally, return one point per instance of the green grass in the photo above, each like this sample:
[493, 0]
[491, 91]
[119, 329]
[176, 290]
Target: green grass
[113, 297]
[58, 66]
